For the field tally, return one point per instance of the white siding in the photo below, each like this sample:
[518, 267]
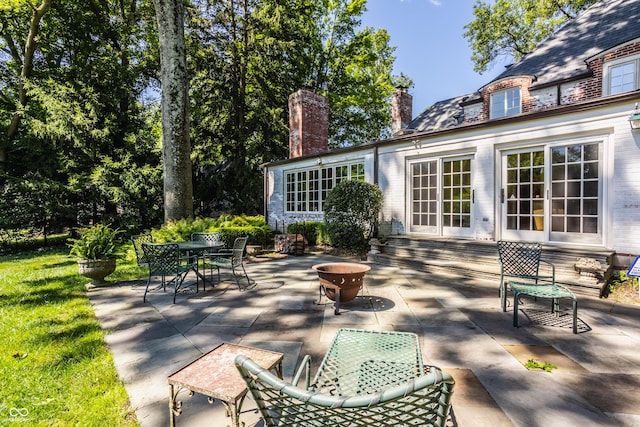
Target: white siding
[625, 236]
[608, 125]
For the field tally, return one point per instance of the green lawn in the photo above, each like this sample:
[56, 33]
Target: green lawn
[55, 367]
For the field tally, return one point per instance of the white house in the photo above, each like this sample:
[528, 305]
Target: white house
[545, 151]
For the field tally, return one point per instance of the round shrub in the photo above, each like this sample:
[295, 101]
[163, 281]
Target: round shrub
[351, 212]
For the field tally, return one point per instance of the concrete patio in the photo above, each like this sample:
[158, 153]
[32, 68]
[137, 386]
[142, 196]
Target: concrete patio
[458, 320]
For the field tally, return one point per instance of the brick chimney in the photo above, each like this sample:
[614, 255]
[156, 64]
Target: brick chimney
[308, 123]
[401, 109]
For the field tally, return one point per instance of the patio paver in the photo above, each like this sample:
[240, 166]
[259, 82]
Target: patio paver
[461, 326]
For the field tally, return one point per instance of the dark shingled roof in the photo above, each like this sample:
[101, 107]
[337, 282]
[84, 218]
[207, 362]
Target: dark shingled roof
[441, 115]
[562, 57]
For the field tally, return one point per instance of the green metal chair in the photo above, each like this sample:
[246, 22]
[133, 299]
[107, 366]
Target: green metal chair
[165, 260]
[233, 261]
[521, 260]
[423, 400]
[211, 237]
[215, 239]
[138, 240]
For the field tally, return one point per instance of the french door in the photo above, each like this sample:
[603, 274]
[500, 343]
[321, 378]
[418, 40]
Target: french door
[522, 195]
[553, 193]
[441, 196]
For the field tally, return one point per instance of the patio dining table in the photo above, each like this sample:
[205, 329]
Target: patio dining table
[196, 249]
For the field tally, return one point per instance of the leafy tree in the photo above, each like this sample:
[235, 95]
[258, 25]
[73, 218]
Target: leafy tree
[89, 69]
[353, 69]
[22, 58]
[247, 57]
[513, 28]
[76, 133]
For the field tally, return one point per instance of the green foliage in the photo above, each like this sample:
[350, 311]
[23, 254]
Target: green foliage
[97, 242]
[545, 366]
[313, 232]
[229, 227]
[16, 241]
[620, 278]
[513, 28]
[37, 202]
[83, 135]
[88, 148]
[351, 211]
[54, 361]
[246, 62]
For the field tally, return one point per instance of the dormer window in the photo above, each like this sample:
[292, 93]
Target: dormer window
[505, 103]
[621, 76]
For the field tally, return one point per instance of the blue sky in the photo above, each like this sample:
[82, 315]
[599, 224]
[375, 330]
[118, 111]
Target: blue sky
[430, 47]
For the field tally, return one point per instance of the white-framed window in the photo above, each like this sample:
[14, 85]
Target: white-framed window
[307, 189]
[621, 75]
[505, 103]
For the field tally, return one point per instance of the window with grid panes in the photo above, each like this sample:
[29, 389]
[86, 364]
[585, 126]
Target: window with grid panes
[306, 190]
[621, 76]
[505, 103]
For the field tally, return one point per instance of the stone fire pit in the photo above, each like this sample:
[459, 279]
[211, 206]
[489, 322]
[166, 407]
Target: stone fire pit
[340, 281]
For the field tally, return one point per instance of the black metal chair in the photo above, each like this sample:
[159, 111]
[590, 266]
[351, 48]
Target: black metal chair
[138, 240]
[233, 261]
[521, 260]
[164, 260]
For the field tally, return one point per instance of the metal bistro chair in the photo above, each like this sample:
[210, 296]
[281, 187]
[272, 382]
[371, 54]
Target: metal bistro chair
[355, 390]
[138, 240]
[164, 260]
[212, 238]
[233, 262]
[521, 260]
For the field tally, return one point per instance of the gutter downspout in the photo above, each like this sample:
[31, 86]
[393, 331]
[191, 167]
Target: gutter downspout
[375, 165]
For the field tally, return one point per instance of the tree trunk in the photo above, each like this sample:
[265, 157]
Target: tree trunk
[25, 73]
[176, 146]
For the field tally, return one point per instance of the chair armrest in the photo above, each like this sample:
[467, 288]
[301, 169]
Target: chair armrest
[221, 253]
[553, 270]
[248, 367]
[305, 366]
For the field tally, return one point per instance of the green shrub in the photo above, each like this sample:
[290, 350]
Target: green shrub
[312, 231]
[351, 212]
[228, 226]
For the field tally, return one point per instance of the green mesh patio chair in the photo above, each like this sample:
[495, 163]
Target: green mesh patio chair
[210, 237]
[164, 260]
[138, 240]
[418, 400]
[521, 260]
[232, 262]
[214, 239]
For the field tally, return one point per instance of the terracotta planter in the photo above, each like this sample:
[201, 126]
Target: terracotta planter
[347, 276]
[96, 269]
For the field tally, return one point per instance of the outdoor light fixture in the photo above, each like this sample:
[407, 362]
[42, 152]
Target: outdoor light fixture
[634, 120]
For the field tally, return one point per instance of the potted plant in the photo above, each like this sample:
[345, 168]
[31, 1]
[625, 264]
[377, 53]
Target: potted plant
[96, 248]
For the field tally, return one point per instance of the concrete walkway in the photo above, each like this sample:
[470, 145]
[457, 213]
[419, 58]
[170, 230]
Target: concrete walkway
[458, 319]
